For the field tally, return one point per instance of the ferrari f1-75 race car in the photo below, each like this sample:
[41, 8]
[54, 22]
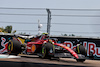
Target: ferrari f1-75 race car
[46, 47]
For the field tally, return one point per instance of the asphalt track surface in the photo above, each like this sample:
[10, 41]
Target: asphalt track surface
[35, 61]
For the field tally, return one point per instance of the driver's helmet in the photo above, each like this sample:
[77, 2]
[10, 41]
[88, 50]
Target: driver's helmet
[46, 35]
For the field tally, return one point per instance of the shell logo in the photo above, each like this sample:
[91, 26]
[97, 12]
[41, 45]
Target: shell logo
[33, 48]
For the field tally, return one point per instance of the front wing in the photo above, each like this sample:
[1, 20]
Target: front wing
[68, 55]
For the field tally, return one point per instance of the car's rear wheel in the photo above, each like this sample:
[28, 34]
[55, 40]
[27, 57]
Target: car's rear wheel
[46, 50]
[14, 47]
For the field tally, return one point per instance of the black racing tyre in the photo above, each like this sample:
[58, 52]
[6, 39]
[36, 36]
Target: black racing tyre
[82, 60]
[80, 49]
[45, 50]
[14, 47]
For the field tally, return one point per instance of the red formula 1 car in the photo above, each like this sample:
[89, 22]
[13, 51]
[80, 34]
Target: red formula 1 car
[46, 47]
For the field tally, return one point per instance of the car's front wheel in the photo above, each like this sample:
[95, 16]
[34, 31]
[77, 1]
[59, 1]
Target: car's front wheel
[80, 49]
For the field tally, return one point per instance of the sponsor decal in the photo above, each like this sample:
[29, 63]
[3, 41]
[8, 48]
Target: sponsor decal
[68, 44]
[4, 45]
[90, 46]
